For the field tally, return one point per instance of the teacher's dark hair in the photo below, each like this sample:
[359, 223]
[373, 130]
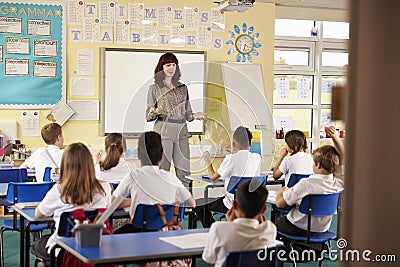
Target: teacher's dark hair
[159, 75]
[150, 149]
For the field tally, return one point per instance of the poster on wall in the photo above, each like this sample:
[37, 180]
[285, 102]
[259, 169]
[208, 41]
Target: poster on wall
[32, 55]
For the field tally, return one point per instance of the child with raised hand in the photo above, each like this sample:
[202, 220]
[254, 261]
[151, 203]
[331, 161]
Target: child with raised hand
[328, 178]
[244, 228]
[76, 188]
[299, 161]
[240, 163]
[113, 167]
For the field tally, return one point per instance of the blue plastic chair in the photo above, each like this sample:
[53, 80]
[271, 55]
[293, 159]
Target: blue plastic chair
[147, 217]
[316, 205]
[47, 174]
[13, 175]
[234, 183]
[293, 179]
[65, 230]
[23, 192]
[255, 258]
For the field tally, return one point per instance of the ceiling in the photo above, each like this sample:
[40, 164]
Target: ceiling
[330, 4]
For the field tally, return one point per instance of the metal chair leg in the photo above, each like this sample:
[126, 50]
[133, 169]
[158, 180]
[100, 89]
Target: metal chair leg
[1, 247]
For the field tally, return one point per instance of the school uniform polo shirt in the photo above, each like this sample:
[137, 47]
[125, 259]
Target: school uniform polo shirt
[151, 185]
[241, 234]
[52, 205]
[241, 163]
[299, 163]
[316, 184]
[39, 160]
[115, 174]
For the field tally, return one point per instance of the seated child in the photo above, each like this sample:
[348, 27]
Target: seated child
[244, 228]
[149, 184]
[76, 188]
[298, 162]
[113, 167]
[240, 163]
[49, 156]
[327, 179]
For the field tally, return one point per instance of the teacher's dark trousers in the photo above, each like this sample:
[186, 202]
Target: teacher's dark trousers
[175, 142]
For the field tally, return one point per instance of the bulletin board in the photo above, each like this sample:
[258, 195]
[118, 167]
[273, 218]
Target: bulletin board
[32, 54]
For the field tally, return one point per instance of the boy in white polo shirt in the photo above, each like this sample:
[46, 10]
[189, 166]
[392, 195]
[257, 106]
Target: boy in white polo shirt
[49, 156]
[327, 179]
[244, 228]
[149, 184]
[240, 163]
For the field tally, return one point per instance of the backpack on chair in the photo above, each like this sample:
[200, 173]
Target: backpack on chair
[81, 216]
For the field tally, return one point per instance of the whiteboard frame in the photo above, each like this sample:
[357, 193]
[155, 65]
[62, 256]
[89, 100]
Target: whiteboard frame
[103, 131]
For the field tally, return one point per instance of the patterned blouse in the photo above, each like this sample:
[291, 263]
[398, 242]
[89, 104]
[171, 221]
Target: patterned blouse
[173, 103]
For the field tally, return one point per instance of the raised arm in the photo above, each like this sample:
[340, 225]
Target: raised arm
[337, 143]
[211, 172]
[277, 173]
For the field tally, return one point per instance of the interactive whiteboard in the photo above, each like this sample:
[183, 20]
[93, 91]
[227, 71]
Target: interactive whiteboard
[126, 77]
[245, 96]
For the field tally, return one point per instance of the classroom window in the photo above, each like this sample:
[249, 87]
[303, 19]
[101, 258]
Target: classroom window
[336, 30]
[293, 89]
[290, 27]
[335, 59]
[299, 119]
[326, 87]
[303, 92]
[296, 56]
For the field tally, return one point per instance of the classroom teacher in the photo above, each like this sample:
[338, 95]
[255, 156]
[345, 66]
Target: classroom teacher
[168, 105]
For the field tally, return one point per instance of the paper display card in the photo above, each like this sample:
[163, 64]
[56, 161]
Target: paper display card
[187, 241]
[60, 113]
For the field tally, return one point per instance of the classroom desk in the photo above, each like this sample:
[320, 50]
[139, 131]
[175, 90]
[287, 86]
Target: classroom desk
[131, 248]
[220, 183]
[27, 214]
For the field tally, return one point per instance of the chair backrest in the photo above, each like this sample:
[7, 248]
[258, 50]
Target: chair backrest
[254, 258]
[235, 181]
[320, 205]
[295, 178]
[47, 174]
[27, 192]
[67, 221]
[147, 217]
[13, 175]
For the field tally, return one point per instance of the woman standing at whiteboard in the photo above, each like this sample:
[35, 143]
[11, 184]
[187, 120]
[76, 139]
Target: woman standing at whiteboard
[168, 104]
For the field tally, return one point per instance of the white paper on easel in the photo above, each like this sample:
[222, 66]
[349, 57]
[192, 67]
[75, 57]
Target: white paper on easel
[60, 113]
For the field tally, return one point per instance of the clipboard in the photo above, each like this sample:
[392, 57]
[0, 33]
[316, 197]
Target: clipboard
[60, 113]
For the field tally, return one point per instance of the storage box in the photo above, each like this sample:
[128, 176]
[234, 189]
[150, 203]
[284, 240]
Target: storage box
[88, 235]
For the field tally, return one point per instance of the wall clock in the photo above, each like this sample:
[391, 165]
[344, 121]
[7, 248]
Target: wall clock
[244, 42]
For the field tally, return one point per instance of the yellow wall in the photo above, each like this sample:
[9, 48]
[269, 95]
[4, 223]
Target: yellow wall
[261, 16]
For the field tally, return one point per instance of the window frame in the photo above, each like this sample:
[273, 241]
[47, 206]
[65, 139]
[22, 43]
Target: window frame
[317, 45]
